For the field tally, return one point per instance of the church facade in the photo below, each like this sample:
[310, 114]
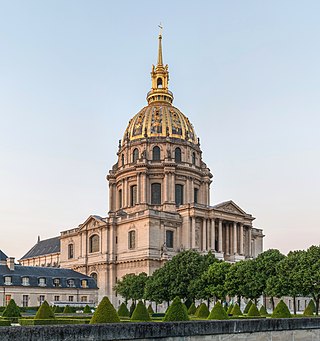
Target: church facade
[159, 201]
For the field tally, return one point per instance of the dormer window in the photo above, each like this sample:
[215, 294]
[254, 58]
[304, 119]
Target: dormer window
[70, 283]
[25, 281]
[7, 280]
[56, 282]
[84, 283]
[42, 282]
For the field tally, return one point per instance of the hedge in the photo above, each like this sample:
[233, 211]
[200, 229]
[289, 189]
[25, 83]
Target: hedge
[68, 310]
[150, 309]
[192, 309]
[263, 311]
[177, 311]
[12, 310]
[5, 323]
[246, 309]
[253, 311]
[44, 312]
[236, 311]
[203, 311]
[230, 308]
[39, 322]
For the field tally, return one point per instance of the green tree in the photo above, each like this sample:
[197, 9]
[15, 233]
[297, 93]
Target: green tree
[105, 313]
[131, 286]
[12, 310]
[45, 312]
[266, 264]
[218, 313]
[176, 312]
[140, 313]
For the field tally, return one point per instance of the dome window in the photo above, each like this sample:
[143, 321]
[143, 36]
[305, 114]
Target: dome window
[179, 195]
[177, 155]
[135, 155]
[156, 153]
[159, 83]
[122, 160]
[193, 158]
[156, 194]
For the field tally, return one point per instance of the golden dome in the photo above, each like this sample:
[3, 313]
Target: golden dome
[160, 120]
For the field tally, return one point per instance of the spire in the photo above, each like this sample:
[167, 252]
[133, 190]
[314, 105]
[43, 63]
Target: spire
[160, 62]
[160, 78]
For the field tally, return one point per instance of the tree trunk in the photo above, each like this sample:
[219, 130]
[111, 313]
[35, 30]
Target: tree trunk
[317, 305]
[272, 302]
[239, 300]
[156, 307]
[294, 305]
[208, 302]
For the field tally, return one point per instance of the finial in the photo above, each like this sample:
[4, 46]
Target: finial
[38, 239]
[160, 62]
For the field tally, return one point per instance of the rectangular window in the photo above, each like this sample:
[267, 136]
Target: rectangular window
[84, 283]
[56, 298]
[70, 251]
[25, 300]
[156, 194]
[70, 298]
[195, 195]
[7, 280]
[132, 239]
[84, 299]
[169, 239]
[25, 281]
[133, 195]
[120, 198]
[179, 195]
[41, 299]
[8, 298]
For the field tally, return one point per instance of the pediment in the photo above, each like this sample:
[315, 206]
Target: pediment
[92, 222]
[230, 207]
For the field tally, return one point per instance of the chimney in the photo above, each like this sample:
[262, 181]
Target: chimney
[10, 263]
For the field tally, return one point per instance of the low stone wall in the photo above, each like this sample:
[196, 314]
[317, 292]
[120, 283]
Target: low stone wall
[295, 329]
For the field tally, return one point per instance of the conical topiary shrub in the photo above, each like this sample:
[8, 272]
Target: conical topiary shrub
[203, 311]
[67, 310]
[192, 309]
[44, 312]
[12, 310]
[177, 311]
[150, 310]
[105, 313]
[246, 309]
[132, 308]
[87, 310]
[253, 311]
[281, 311]
[123, 310]
[236, 311]
[263, 311]
[308, 311]
[140, 313]
[312, 305]
[230, 309]
[218, 313]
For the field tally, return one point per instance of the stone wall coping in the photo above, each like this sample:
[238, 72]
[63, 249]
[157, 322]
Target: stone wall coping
[152, 330]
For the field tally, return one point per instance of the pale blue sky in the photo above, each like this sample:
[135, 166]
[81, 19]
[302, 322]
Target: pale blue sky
[72, 74]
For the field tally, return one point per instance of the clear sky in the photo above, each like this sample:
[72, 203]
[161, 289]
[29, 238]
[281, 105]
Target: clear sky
[72, 74]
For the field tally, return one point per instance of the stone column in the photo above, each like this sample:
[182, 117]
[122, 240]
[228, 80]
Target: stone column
[241, 239]
[220, 236]
[138, 189]
[111, 199]
[213, 234]
[165, 187]
[193, 232]
[172, 188]
[204, 235]
[227, 239]
[235, 240]
[125, 194]
[249, 241]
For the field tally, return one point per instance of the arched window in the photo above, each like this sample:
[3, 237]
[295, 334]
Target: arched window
[156, 153]
[94, 276]
[155, 194]
[177, 155]
[132, 239]
[122, 160]
[159, 83]
[70, 251]
[193, 158]
[179, 195]
[135, 155]
[195, 195]
[94, 243]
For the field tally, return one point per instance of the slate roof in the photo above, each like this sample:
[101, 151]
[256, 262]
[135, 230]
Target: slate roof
[35, 272]
[3, 256]
[44, 247]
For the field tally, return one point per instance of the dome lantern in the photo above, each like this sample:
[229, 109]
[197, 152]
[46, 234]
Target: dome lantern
[159, 77]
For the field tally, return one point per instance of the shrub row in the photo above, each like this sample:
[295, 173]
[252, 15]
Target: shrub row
[39, 322]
